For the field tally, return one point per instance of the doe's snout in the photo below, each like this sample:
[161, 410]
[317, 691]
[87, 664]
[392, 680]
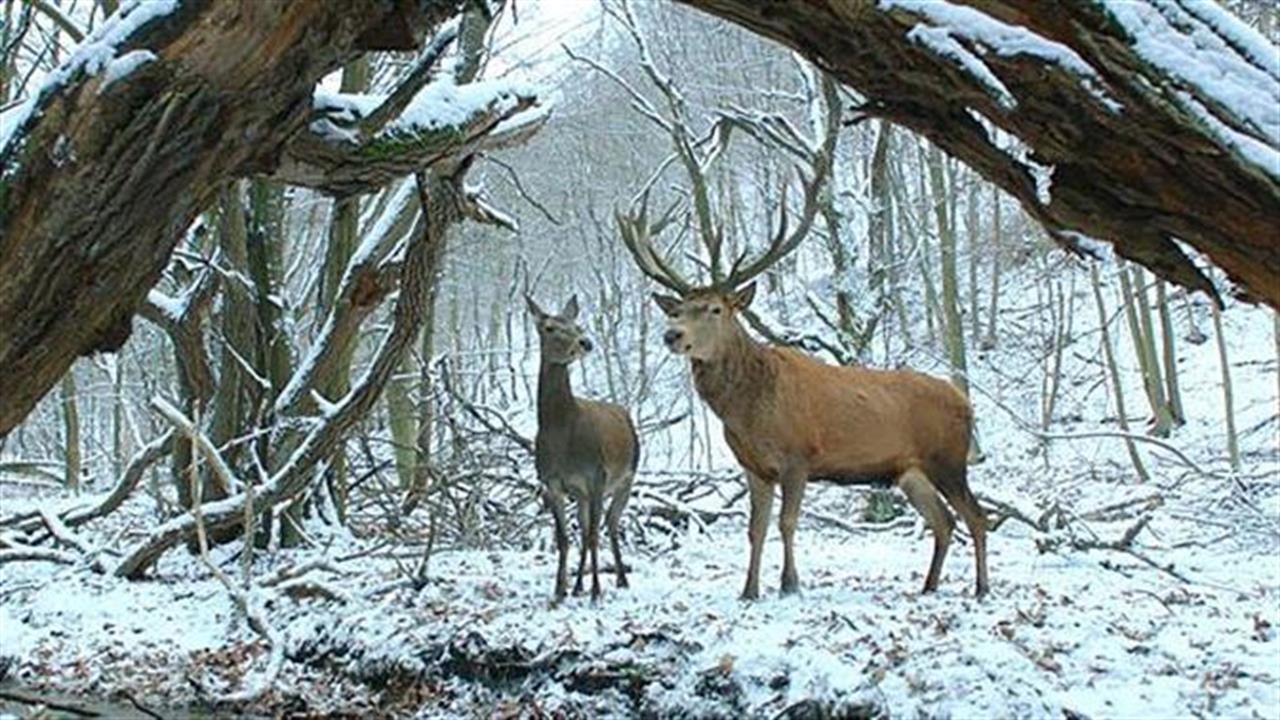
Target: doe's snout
[672, 336]
[585, 344]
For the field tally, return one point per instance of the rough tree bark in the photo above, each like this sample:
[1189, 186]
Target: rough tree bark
[97, 185]
[1138, 156]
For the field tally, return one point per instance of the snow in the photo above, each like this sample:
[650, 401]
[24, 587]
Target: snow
[96, 53]
[950, 21]
[1101, 251]
[941, 42]
[172, 307]
[123, 65]
[1097, 633]
[440, 105]
[1223, 59]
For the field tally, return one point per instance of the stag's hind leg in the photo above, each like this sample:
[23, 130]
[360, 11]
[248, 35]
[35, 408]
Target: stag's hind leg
[966, 505]
[924, 498]
[792, 494]
[616, 506]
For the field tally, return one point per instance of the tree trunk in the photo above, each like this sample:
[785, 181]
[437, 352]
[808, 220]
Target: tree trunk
[100, 181]
[1144, 350]
[1113, 371]
[344, 230]
[953, 325]
[997, 245]
[971, 235]
[1140, 155]
[1169, 354]
[70, 433]
[1228, 397]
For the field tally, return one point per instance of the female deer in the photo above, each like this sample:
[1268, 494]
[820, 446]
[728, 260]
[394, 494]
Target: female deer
[584, 449]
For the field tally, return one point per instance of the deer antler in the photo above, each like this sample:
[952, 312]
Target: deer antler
[637, 235]
[697, 156]
[820, 159]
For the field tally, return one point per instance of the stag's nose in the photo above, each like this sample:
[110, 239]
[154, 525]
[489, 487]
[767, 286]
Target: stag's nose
[585, 344]
[672, 336]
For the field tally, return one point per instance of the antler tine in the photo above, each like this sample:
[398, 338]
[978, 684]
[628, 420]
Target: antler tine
[821, 160]
[637, 236]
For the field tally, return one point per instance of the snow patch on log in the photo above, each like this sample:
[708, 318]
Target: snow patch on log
[98, 52]
[441, 105]
[939, 40]
[121, 67]
[1234, 70]
[991, 35]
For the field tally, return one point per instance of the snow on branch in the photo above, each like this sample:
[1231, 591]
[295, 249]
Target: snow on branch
[950, 22]
[1226, 74]
[95, 54]
[444, 120]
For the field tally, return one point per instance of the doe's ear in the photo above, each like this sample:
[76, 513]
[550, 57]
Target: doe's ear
[666, 302]
[570, 311]
[742, 298]
[534, 310]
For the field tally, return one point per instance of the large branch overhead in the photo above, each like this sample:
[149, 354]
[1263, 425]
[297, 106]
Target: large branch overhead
[102, 170]
[1142, 122]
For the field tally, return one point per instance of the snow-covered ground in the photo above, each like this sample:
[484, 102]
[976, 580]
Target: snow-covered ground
[1099, 634]
[1186, 627]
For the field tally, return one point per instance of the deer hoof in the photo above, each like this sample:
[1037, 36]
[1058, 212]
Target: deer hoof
[750, 594]
[791, 588]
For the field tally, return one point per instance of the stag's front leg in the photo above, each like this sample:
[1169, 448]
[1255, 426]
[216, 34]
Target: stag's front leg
[792, 493]
[757, 529]
[555, 503]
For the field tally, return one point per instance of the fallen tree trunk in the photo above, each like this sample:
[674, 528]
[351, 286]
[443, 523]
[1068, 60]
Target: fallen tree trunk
[1143, 122]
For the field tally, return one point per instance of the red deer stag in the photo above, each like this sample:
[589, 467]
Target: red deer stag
[791, 419]
[584, 449]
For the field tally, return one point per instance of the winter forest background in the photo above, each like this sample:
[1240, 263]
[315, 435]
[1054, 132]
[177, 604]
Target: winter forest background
[393, 556]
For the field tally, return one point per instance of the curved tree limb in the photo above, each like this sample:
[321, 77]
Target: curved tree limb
[1136, 152]
[105, 170]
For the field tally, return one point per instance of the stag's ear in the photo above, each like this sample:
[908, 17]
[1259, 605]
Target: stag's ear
[570, 311]
[742, 298]
[534, 310]
[666, 302]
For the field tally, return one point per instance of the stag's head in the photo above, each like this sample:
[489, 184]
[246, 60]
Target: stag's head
[562, 339]
[703, 321]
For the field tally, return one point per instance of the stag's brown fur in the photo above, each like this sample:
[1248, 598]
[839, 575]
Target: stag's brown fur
[791, 419]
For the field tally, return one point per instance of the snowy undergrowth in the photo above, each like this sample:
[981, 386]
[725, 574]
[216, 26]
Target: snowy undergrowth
[1098, 633]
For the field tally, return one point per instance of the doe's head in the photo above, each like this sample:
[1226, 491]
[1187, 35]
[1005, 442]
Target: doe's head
[562, 339]
[701, 321]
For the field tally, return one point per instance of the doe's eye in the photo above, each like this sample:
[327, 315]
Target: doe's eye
[716, 309]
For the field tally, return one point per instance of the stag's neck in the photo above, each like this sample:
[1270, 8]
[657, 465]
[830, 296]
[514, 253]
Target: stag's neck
[555, 395]
[736, 379]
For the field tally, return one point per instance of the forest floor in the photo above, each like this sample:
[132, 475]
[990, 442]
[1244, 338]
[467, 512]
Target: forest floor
[1065, 633]
[1111, 597]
